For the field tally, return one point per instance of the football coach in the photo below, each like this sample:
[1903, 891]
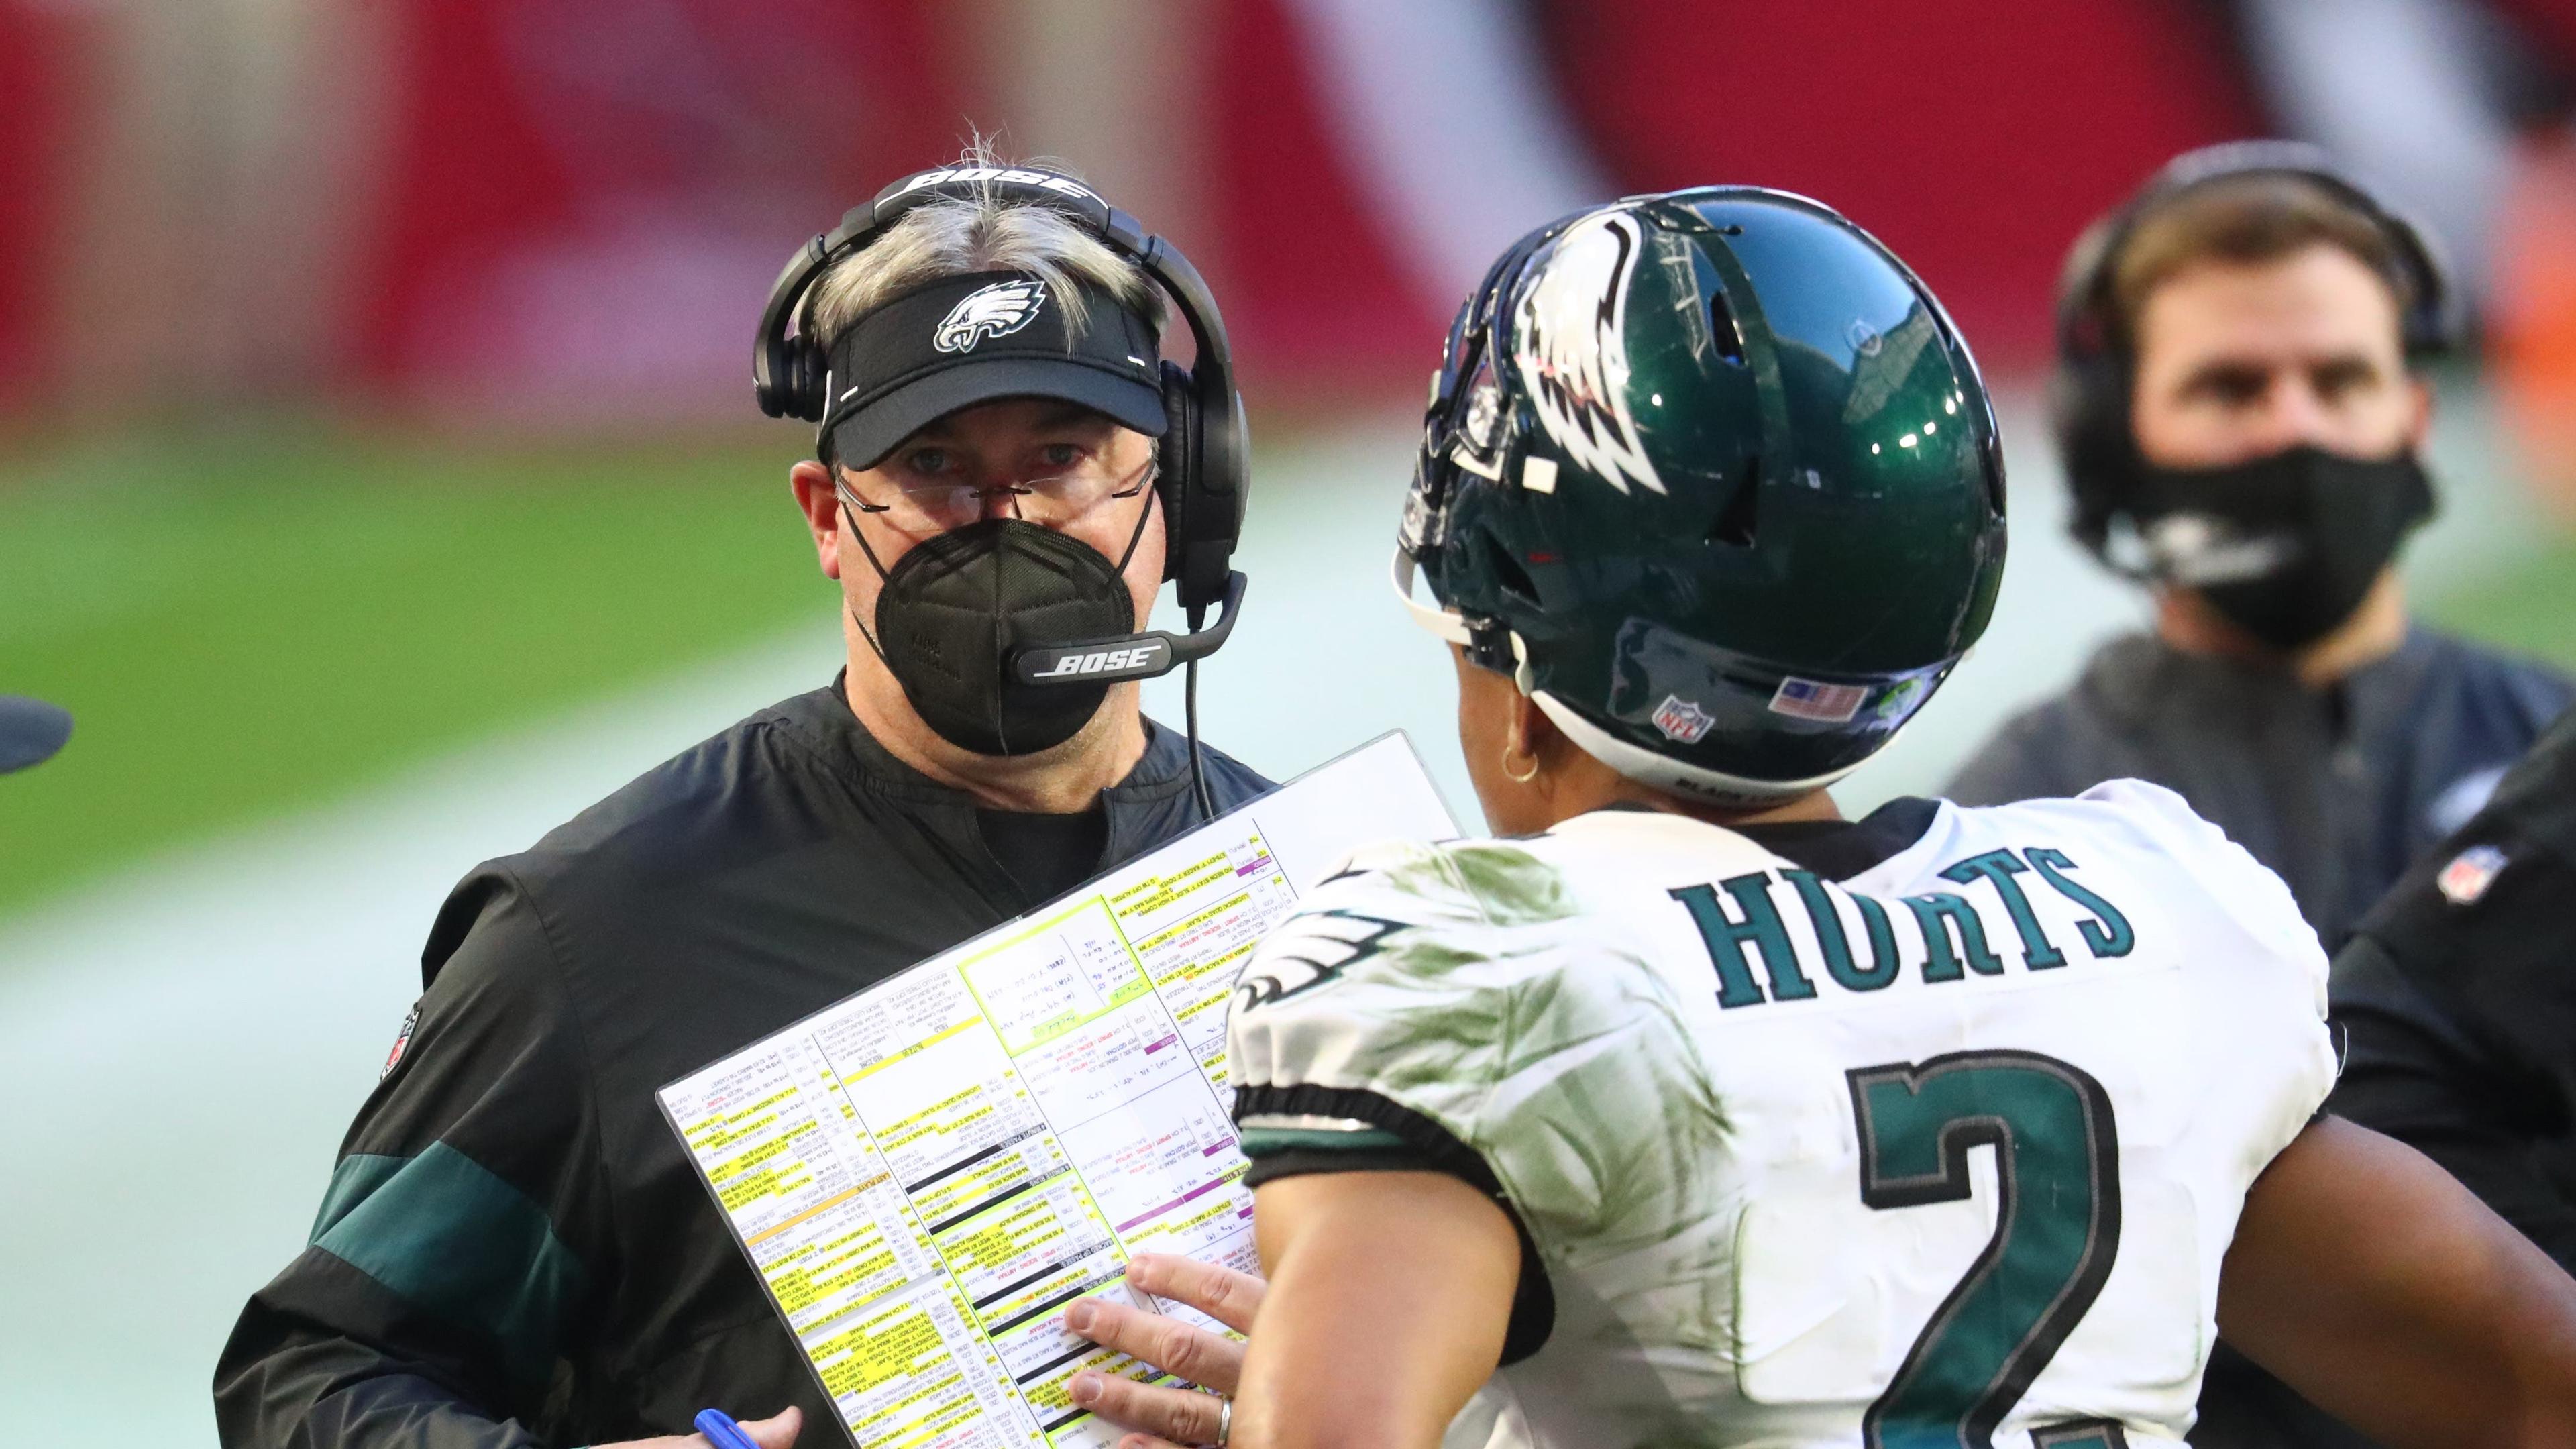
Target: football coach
[513, 1250]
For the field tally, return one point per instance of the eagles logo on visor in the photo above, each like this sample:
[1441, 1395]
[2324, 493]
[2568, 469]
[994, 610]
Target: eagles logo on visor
[956, 342]
[995, 311]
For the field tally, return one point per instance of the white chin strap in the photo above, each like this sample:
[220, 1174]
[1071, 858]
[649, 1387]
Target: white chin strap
[1690, 782]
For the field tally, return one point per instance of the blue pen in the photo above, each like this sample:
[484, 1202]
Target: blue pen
[722, 1431]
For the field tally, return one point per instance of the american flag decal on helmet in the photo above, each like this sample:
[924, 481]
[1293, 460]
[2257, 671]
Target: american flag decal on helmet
[1815, 700]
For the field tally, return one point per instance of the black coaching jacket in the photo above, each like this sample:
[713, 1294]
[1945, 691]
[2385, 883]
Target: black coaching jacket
[2458, 998]
[514, 1251]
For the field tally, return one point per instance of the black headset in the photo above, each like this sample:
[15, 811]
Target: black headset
[1202, 474]
[2089, 395]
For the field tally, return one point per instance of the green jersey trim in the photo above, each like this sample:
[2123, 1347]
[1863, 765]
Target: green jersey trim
[1261, 1141]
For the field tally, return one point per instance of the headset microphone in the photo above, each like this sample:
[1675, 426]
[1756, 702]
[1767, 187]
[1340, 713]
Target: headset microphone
[1146, 654]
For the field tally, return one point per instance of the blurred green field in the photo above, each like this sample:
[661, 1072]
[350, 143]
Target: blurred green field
[2528, 605]
[261, 622]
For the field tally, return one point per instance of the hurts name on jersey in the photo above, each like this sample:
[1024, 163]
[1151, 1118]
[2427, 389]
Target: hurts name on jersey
[1743, 917]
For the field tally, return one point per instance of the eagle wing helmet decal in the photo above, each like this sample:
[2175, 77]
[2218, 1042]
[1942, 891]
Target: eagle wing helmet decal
[995, 311]
[1570, 342]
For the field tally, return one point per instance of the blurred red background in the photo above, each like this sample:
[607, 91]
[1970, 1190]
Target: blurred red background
[546, 209]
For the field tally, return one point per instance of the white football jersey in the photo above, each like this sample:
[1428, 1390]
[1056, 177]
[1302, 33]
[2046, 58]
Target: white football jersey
[1946, 1153]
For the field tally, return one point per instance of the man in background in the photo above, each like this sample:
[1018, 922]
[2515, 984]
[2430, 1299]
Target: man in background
[2242, 429]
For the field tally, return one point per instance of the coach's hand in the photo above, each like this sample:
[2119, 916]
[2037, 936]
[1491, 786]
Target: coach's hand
[778, 1431]
[1165, 1417]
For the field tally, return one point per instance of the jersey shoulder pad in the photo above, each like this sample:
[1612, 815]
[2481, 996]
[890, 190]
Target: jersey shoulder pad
[1464, 986]
[1396, 976]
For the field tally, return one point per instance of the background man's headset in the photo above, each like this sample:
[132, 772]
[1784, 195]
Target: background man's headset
[1202, 469]
[2089, 395]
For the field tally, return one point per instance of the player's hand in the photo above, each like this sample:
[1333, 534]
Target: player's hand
[778, 1431]
[1165, 1417]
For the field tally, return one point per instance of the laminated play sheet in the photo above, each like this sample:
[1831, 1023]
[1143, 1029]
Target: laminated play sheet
[927, 1172]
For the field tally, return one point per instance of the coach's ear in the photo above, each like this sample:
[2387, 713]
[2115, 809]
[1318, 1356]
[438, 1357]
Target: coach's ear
[821, 504]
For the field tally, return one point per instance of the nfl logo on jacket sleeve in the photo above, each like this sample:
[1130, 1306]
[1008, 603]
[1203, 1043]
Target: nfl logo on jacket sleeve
[2469, 874]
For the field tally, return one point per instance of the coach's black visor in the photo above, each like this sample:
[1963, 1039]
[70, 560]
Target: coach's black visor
[965, 340]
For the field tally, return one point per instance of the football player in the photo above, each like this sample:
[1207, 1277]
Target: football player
[1685, 1111]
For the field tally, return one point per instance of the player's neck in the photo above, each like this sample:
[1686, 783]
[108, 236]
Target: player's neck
[1587, 790]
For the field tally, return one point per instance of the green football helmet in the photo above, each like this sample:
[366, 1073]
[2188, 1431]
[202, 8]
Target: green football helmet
[1712, 474]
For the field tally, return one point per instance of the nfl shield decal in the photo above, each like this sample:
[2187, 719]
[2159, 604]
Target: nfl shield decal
[2469, 874]
[1682, 720]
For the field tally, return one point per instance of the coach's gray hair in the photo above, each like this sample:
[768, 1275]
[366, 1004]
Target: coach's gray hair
[986, 234]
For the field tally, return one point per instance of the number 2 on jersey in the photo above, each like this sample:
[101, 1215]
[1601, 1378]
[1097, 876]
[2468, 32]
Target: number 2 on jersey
[2057, 1225]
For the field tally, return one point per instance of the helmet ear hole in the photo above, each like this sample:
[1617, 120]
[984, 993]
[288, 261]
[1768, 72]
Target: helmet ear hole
[1735, 522]
[1722, 328]
[1508, 574]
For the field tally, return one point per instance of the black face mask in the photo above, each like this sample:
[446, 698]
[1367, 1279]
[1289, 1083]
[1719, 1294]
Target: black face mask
[955, 609]
[2285, 547]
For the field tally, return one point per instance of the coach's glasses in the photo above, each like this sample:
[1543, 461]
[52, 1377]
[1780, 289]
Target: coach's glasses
[921, 509]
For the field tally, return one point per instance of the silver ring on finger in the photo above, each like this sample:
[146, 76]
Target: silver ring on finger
[1224, 1422]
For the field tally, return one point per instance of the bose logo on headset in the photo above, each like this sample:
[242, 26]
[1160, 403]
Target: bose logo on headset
[1012, 175]
[1103, 661]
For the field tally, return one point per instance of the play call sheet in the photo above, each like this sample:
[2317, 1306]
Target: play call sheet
[926, 1173]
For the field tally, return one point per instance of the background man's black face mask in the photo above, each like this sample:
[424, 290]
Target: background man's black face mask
[2285, 547]
[955, 609]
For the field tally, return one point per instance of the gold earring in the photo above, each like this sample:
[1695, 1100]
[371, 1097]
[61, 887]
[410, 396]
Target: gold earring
[1515, 776]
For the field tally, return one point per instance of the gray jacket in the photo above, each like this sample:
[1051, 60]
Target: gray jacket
[2337, 790]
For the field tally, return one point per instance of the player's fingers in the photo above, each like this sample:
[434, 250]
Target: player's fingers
[1183, 1350]
[1229, 1297]
[1178, 1416]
